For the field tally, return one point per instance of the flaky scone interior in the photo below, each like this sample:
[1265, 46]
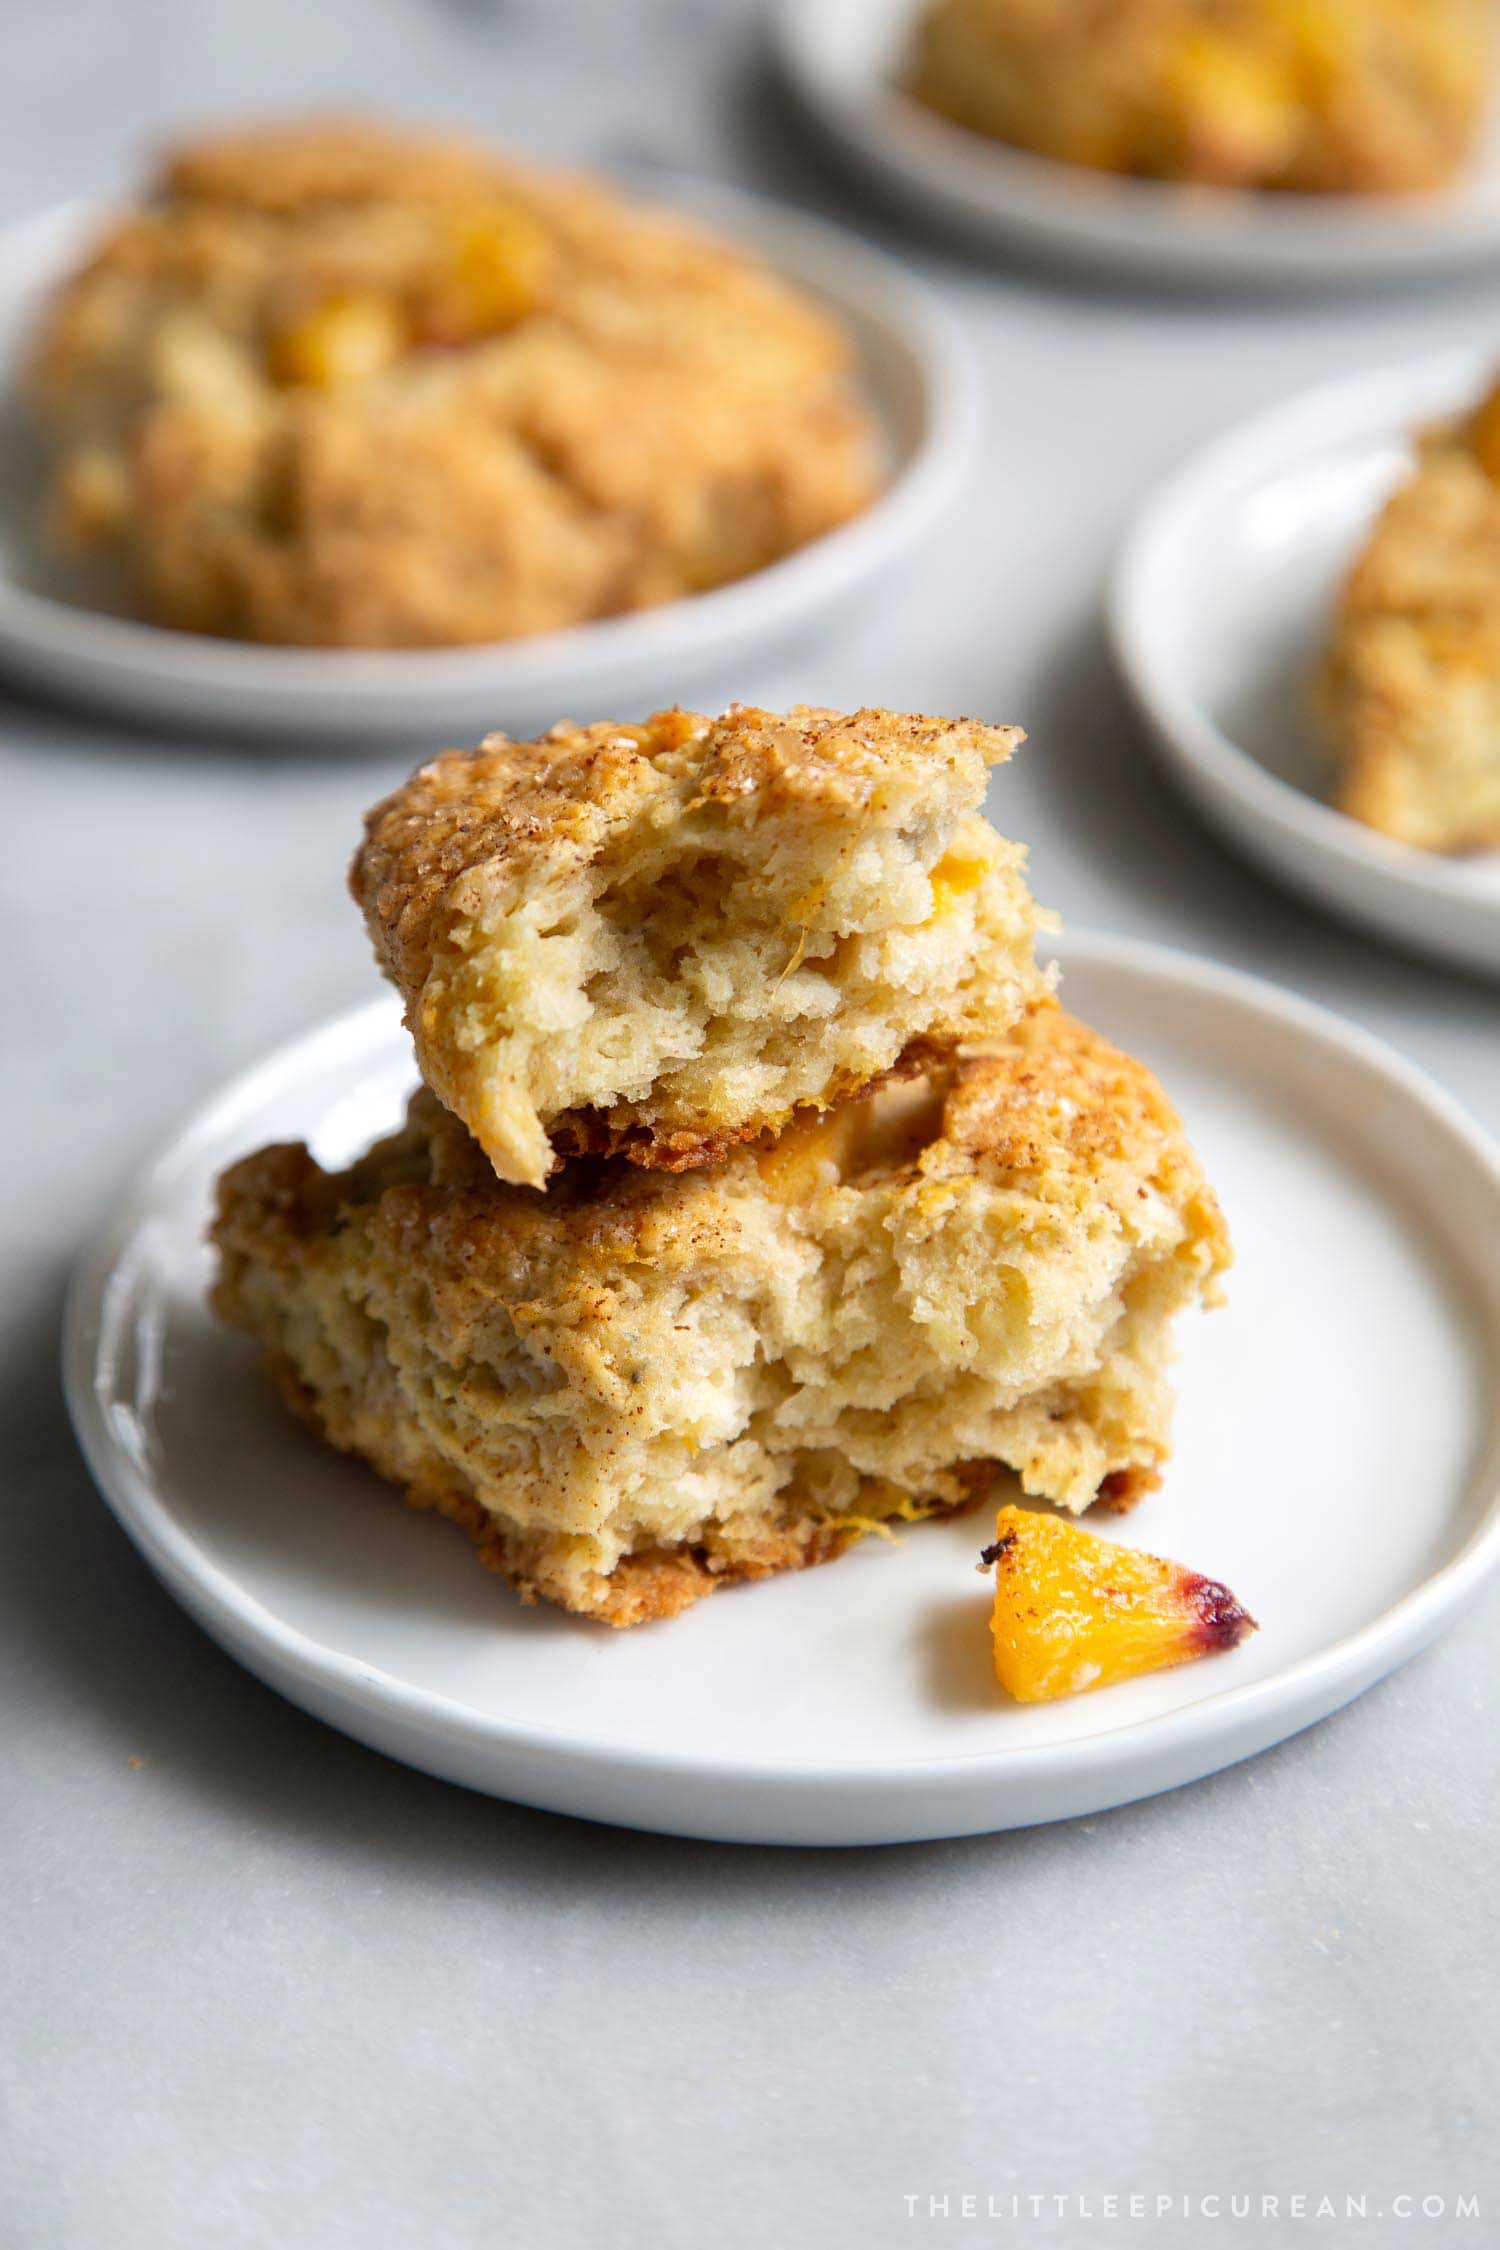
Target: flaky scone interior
[659, 940]
[642, 1384]
[1410, 689]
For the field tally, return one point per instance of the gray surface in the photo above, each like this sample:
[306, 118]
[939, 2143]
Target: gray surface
[268, 1989]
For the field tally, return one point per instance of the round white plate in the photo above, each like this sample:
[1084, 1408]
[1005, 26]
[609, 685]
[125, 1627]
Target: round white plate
[844, 58]
[1219, 603]
[915, 371]
[1337, 1463]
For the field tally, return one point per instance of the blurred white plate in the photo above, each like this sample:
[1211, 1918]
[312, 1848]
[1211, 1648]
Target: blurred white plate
[915, 371]
[1337, 1463]
[844, 58]
[1220, 600]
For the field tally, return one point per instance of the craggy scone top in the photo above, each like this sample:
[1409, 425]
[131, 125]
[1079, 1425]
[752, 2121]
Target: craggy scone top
[666, 938]
[509, 811]
[1326, 96]
[340, 384]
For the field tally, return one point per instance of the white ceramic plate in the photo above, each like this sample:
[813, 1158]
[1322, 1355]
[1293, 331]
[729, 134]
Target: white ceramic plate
[844, 58]
[1338, 1463]
[1219, 602]
[916, 374]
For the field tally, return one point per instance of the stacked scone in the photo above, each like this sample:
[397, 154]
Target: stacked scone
[759, 1192]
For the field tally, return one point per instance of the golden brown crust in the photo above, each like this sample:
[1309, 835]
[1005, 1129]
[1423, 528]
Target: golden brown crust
[316, 160]
[510, 808]
[1124, 1489]
[342, 385]
[1062, 1112]
[1324, 96]
[661, 1582]
[1410, 689]
[600, 1133]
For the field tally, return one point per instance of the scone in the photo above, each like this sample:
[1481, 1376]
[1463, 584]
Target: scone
[641, 1385]
[662, 939]
[1410, 693]
[1329, 96]
[343, 385]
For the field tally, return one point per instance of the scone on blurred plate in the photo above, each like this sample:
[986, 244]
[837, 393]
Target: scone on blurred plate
[641, 1384]
[1410, 692]
[343, 385]
[1324, 96]
[659, 940]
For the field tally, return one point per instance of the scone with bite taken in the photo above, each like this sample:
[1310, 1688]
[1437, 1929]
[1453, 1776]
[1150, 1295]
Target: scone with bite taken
[1410, 689]
[659, 940]
[1322, 96]
[644, 1384]
[339, 384]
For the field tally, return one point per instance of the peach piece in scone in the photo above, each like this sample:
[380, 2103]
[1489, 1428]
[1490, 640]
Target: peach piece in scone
[1073, 1611]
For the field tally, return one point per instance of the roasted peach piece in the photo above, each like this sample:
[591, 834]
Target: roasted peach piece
[352, 336]
[492, 271]
[1073, 1611]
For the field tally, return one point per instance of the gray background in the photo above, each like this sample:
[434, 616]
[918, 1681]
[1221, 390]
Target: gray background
[265, 1988]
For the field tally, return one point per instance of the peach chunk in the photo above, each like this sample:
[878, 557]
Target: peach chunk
[1073, 1611]
[491, 272]
[352, 336]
